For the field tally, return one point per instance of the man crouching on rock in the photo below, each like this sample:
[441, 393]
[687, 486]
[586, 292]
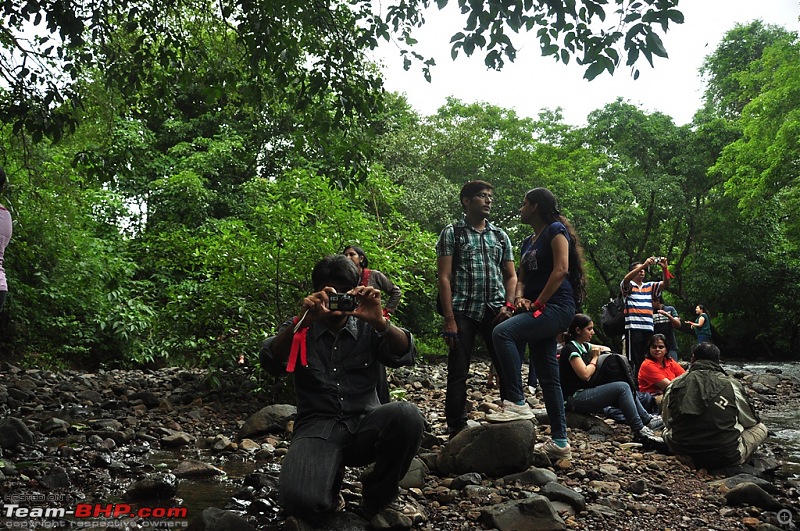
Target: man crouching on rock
[333, 348]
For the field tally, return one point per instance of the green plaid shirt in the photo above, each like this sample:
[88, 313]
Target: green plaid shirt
[477, 281]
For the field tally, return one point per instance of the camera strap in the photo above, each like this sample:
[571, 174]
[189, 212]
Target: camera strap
[299, 345]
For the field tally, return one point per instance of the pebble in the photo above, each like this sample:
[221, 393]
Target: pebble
[97, 437]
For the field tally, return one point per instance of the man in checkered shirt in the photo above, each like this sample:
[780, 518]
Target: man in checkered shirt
[476, 284]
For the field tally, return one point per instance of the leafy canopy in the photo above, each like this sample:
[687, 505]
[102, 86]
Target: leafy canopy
[311, 50]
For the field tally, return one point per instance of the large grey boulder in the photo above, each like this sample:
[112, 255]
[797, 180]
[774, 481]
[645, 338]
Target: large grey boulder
[492, 449]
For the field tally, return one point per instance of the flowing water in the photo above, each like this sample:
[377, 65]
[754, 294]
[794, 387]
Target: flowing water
[784, 426]
[783, 423]
[199, 494]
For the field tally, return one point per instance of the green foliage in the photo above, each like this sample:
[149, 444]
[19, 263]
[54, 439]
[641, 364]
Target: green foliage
[180, 221]
[298, 55]
[729, 86]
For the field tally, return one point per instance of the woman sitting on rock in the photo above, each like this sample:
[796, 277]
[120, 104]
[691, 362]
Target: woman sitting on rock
[658, 369]
[577, 364]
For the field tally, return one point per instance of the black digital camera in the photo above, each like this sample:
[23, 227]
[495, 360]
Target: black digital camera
[341, 302]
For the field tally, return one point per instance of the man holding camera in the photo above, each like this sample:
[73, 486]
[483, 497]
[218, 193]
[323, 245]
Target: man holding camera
[333, 348]
[639, 296]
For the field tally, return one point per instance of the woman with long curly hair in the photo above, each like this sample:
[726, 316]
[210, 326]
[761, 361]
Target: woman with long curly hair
[550, 286]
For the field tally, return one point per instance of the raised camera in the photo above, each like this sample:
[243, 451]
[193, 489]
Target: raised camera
[341, 302]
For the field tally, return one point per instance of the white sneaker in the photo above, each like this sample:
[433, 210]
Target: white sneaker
[553, 450]
[647, 433]
[656, 422]
[511, 412]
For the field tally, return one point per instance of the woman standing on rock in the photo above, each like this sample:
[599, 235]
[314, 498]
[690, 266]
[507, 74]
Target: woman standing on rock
[578, 363]
[550, 286]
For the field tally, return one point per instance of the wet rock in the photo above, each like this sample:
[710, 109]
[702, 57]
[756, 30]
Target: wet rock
[532, 476]
[270, 419]
[766, 380]
[220, 443]
[159, 486]
[249, 445]
[731, 482]
[148, 399]
[262, 480]
[472, 478]
[105, 425]
[415, 477]
[213, 519]
[91, 396]
[54, 426]
[177, 439]
[638, 487]
[197, 469]
[13, 431]
[535, 513]
[475, 449]
[588, 423]
[554, 491]
[752, 494]
[56, 478]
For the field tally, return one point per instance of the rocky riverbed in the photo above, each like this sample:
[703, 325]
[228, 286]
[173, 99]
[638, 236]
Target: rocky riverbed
[136, 442]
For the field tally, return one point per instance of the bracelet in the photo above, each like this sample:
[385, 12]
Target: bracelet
[537, 305]
[510, 306]
[593, 363]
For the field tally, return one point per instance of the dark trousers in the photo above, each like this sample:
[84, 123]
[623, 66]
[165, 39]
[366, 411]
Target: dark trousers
[458, 362]
[313, 469]
[638, 347]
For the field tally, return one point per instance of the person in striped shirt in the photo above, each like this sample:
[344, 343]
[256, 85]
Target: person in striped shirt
[639, 296]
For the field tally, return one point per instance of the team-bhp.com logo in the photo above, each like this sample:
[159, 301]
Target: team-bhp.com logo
[91, 512]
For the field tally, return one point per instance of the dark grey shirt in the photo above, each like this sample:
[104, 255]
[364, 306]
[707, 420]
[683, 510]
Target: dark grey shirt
[339, 382]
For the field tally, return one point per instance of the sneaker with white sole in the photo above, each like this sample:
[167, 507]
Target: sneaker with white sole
[651, 441]
[656, 422]
[648, 433]
[511, 412]
[553, 450]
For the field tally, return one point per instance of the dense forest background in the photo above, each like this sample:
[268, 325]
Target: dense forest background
[175, 218]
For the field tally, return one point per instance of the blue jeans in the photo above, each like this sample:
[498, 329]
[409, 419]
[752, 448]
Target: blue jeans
[701, 338]
[617, 394]
[313, 469]
[539, 333]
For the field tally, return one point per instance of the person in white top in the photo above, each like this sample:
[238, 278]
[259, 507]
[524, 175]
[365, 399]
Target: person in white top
[5, 236]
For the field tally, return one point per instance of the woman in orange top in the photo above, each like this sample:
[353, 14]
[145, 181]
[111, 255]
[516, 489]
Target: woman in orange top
[658, 369]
